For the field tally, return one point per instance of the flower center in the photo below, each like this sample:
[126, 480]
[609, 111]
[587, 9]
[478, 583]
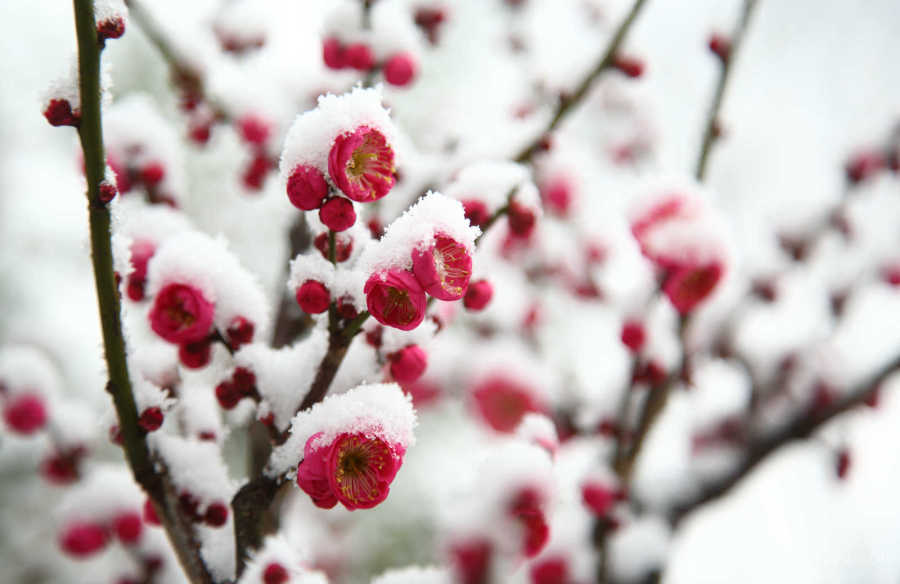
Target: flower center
[178, 314]
[359, 462]
[398, 301]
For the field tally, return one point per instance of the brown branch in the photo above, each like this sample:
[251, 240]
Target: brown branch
[710, 131]
[148, 472]
[802, 426]
[568, 102]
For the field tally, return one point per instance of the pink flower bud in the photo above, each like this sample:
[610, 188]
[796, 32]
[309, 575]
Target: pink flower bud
[444, 268]
[153, 173]
[62, 468]
[400, 69]
[408, 364]
[527, 507]
[864, 165]
[128, 527]
[59, 113]
[429, 19]
[343, 246]
[630, 66]
[521, 220]
[361, 164]
[395, 298]
[275, 573]
[228, 395]
[478, 295]
[149, 513]
[359, 56]
[195, 354]
[313, 297]
[476, 212]
[633, 335]
[216, 515]
[81, 539]
[720, 46]
[111, 28]
[598, 497]
[239, 332]
[181, 314]
[552, 570]
[25, 413]
[688, 286]
[108, 191]
[254, 129]
[333, 54]
[306, 188]
[472, 560]
[557, 195]
[255, 174]
[503, 402]
[337, 214]
[151, 419]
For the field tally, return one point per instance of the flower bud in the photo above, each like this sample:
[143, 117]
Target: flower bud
[313, 297]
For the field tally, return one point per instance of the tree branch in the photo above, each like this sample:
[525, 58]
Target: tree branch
[802, 426]
[709, 132]
[143, 466]
[568, 102]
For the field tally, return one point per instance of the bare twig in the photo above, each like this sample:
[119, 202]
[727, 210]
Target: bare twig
[149, 473]
[710, 131]
[802, 426]
[568, 102]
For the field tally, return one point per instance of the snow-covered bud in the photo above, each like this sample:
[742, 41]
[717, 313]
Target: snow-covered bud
[334, 54]
[400, 69]
[25, 413]
[521, 219]
[688, 286]
[359, 56]
[59, 112]
[306, 188]
[599, 497]
[313, 297]
[181, 314]
[81, 539]
[557, 195]
[478, 295]
[476, 212]
[395, 298]
[633, 335]
[471, 560]
[63, 468]
[408, 364]
[275, 573]
[108, 191]
[361, 164]
[443, 268]
[111, 28]
[337, 214]
[255, 174]
[527, 506]
[216, 514]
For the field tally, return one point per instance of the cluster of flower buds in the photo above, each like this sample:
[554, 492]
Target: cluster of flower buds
[685, 242]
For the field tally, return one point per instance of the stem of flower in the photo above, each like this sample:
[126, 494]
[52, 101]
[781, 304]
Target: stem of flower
[150, 474]
[710, 131]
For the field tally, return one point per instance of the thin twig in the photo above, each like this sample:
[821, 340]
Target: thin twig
[568, 102]
[802, 426]
[709, 132]
[149, 473]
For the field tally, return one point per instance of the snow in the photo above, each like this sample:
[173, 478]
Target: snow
[380, 410]
[414, 575]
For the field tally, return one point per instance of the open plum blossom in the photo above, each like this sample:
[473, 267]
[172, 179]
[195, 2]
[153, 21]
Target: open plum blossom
[444, 268]
[503, 402]
[356, 469]
[361, 164]
[395, 298]
[181, 314]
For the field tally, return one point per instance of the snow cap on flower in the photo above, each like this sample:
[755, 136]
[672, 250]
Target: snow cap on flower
[110, 16]
[204, 264]
[310, 266]
[377, 410]
[313, 134]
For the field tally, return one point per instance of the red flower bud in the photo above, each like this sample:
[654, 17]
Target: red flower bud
[337, 214]
[313, 297]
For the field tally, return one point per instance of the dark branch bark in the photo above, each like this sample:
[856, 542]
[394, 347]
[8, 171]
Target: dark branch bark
[567, 103]
[709, 132]
[149, 473]
[801, 427]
